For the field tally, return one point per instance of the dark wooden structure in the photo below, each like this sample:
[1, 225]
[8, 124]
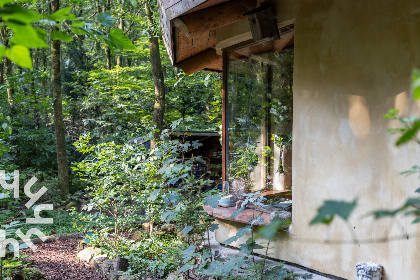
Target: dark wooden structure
[210, 152]
[188, 29]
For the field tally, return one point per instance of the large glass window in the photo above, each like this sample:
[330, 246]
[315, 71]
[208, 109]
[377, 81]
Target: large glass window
[260, 112]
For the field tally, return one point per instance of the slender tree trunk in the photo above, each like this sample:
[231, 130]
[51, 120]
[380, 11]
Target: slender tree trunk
[108, 57]
[1, 73]
[121, 26]
[8, 70]
[108, 54]
[60, 131]
[159, 81]
[32, 90]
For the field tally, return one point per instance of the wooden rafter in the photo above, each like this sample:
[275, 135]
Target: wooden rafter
[217, 16]
[200, 61]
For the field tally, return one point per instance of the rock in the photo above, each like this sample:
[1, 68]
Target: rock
[98, 260]
[175, 276]
[16, 275]
[82, 245]
[281, 216]
[127, 277]
[107, 267]
[369, 271]
[120, 264]
[237, 189]
[114, 275]
[88, 253]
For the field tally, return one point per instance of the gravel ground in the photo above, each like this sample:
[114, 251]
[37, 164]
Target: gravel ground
[58, 261]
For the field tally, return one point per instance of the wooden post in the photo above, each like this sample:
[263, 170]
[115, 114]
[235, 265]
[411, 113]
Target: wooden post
[225, 120]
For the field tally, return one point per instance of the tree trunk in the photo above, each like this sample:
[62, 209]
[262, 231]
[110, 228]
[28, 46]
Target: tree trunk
[156, 63]
[7, 67]
[1, 73]
[32, 90]
[60, 132]
[108, 54]
[121, 26]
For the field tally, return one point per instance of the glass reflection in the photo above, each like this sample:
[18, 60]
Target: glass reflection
[260, 114]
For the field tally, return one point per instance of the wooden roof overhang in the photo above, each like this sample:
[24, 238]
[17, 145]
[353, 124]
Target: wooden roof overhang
[189, 30]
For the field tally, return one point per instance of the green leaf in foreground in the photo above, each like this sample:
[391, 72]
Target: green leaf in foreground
[2, 50]
[213, 227]
[119, 40]
[79, 31]
[18, 14]
[106, 19]
[20, 55]
[241, 232]
[270, 231]
[416, 83]
[212, 201]
[26, 35]
[249, 246]
[410, 133]
[62, 14]
[332, 208]
[60, 35]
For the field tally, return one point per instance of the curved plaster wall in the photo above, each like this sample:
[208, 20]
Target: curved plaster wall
[353, 62]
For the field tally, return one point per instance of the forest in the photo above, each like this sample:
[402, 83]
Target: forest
[79, 81]
[100, 174]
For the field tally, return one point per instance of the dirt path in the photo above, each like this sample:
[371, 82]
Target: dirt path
[58, 260]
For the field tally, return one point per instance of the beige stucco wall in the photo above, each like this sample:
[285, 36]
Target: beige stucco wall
[353, 61]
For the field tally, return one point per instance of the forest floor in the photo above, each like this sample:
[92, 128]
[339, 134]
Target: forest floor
[58, 261]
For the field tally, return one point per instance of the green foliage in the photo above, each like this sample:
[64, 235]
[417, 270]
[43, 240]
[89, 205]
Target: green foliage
[20, 55]
[106, 19]
[20, 263]
[112, 180]
[119, 40]
[244, 162]
[60, 35]
[416, 84]
[155, 255]
[411, 125]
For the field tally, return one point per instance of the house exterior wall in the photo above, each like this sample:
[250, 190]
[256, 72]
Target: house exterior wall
[353, 62]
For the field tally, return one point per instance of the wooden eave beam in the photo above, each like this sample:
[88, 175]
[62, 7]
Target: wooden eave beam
[200, 61]
[217, 16]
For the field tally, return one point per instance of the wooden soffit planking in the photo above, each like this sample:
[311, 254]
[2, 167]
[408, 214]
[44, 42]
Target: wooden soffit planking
[188, 26]
[193, 29]
[195, 33]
